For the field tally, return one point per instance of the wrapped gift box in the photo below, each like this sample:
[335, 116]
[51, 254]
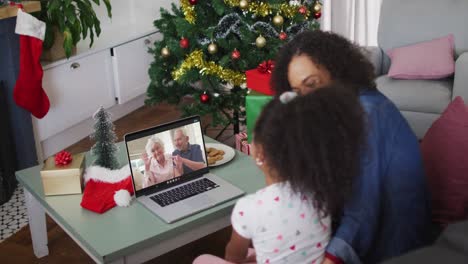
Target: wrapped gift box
[258, 81]
[242, 144]
[63, 179]
[254, 103]
[246, 147]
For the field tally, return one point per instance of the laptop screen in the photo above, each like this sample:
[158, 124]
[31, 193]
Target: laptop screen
[165, 155]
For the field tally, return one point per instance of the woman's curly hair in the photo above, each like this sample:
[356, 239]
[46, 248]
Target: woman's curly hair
[314, 143]
[344, 61]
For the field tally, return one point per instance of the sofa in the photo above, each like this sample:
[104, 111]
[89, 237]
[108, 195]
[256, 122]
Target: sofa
[451, 247]
[405, 22]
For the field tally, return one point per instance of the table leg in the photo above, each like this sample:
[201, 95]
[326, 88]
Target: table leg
[37, 225]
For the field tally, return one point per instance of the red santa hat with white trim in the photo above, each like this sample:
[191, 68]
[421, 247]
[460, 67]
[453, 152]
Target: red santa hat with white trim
[105, 188]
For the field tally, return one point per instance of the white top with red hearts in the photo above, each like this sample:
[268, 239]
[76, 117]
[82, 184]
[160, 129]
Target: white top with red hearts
[284, 227]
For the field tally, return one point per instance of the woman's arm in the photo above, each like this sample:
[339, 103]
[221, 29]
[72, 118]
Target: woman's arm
[149, 178]
[237, 248]
[360, 221]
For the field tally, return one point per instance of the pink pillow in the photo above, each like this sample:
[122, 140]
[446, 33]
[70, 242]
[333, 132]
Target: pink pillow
[445, 154]
[426, 60]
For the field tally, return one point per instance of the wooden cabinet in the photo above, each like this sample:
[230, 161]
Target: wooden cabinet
[131, 62]
[76, 89]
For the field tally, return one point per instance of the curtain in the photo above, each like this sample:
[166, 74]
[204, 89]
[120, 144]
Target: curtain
[7, 151]
[21, 122]
[356, 20]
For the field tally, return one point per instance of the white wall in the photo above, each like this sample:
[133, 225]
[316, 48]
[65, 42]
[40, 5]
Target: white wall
[126, 12]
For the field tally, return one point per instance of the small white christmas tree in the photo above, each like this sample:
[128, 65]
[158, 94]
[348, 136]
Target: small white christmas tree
[104, 149]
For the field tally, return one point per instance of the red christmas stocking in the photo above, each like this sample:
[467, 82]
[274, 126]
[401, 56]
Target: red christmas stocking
[28, 92]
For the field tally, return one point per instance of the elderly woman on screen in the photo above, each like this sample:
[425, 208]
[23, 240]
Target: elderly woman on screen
[159, 166]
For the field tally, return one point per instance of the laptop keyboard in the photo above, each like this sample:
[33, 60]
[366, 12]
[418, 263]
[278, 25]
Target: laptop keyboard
[183, 192]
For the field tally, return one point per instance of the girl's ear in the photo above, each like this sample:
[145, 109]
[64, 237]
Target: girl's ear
[257, 152]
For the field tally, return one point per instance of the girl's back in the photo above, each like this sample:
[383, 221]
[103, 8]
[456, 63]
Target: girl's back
[284, 227]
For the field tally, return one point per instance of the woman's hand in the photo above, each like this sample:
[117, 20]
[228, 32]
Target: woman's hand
[146, 160]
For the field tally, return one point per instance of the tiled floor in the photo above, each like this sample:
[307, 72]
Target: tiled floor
[13, 215]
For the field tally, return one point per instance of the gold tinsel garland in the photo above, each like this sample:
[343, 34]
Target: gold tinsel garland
[189, 11]
[195, 60]
[258, 8]
[264, 9]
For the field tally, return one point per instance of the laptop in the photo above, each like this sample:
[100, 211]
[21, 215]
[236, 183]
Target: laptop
[180, 184]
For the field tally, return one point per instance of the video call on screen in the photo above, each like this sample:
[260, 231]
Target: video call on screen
[165, 156]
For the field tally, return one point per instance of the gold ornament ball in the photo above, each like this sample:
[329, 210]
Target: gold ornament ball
[212, 48]
[278, 20]
[317, 7]
[165, 52]
[260, 42]
[243, 4]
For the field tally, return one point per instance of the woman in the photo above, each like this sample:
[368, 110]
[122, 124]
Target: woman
[159, 166]
[388, 213]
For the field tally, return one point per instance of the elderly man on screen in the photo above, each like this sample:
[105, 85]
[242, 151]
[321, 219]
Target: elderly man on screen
[190, 155]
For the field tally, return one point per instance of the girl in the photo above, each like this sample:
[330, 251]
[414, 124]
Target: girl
[308, 148]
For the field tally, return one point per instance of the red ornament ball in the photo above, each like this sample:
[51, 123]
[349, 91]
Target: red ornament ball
[193, 2]
[302, 10]
[235, 55]
[317, 15]
[283, 35]
[204, 98]
[184, 43]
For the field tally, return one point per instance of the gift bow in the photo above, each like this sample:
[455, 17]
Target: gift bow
[266, 66]
[63, 158]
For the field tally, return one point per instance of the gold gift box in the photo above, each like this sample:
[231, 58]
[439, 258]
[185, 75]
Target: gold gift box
[66, 179]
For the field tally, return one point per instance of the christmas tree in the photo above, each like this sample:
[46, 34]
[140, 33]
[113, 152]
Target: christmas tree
[105, 149]
[208, 45]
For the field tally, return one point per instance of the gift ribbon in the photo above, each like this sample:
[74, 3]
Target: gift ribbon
[63, 158]
[20, 6]
[266, 66]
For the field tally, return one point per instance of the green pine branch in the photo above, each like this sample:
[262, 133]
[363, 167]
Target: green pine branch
[229, 28]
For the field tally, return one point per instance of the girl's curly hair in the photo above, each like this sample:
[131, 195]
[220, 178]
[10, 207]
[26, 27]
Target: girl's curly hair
[344, 61]
[314, 143]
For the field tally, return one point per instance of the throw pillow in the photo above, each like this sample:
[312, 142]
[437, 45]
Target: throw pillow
[426, 60]
[445, 155]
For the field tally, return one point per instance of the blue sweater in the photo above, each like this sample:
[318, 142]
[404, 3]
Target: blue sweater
[389, 212]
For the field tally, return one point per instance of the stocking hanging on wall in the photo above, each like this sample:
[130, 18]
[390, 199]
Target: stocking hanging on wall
[28, 92]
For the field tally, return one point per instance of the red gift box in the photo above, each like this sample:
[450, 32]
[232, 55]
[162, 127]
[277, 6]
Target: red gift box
[242, 144]
[259, 79]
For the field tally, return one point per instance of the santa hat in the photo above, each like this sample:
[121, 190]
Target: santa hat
[105, 188]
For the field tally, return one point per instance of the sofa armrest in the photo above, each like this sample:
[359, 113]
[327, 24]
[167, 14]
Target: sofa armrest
[460, 83]
[374, 55]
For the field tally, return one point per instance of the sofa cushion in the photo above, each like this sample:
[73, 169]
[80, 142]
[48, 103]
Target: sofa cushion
[444, 150]
[427, 96]
[426, 60]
